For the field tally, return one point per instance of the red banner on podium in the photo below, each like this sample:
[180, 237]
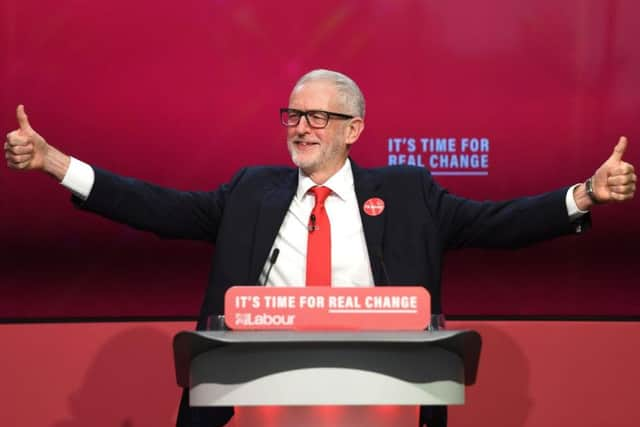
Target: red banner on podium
[328, 308]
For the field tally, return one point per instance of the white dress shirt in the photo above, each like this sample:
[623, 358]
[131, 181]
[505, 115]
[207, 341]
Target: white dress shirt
[349, 256]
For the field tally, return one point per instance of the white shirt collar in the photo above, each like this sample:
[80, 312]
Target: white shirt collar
[341, 183]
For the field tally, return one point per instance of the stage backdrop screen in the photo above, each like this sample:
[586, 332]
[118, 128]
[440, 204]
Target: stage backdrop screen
[498, 99]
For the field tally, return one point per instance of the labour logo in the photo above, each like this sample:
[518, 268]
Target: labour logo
[374, 206]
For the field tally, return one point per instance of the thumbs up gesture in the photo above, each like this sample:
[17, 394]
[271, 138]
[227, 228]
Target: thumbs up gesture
[24, 149]
[615, 180]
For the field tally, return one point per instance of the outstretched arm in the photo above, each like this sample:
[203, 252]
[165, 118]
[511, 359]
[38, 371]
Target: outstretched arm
[526, 220]
[166, 212]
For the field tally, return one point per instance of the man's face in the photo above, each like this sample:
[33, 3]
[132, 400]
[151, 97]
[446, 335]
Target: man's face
[318, 152]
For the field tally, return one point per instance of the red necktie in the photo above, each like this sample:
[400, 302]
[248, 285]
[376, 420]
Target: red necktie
[319, 241]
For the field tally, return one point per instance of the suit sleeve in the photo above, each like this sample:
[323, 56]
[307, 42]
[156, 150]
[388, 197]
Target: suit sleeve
[166, 212]
[505, 224]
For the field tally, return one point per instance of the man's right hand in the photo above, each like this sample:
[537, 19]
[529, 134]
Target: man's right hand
[25, 149]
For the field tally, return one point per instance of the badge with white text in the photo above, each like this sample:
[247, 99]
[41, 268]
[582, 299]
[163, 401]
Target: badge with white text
[374, 206]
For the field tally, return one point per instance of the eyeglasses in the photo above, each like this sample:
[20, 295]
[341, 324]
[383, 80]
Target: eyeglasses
[317, 119]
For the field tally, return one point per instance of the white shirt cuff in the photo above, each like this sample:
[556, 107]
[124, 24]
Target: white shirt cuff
[572, 208]
[79, 178]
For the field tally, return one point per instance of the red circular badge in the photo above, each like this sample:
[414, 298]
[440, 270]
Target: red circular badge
[374, 206]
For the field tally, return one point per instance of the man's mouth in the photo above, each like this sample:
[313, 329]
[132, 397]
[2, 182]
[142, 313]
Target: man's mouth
[305, 144]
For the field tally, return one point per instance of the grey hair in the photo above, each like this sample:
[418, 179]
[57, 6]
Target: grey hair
[349, 91]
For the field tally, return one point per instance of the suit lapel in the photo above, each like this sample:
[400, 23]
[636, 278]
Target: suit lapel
[273, 208]
[368, 185]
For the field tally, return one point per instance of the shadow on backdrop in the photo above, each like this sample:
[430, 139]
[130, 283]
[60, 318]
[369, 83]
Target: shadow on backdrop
[130, 383]
[500, 397]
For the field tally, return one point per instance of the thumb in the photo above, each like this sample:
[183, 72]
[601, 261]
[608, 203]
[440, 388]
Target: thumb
[23, 120]
[619, 149]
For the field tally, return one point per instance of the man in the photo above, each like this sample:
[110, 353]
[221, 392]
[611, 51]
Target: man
[264, 208]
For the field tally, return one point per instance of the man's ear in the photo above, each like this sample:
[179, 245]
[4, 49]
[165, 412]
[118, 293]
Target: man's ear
[353, 130]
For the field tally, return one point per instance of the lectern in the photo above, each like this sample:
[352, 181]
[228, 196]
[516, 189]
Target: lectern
[256, 368]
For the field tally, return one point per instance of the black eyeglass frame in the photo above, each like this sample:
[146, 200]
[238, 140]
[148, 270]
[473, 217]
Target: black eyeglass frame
[305, 114]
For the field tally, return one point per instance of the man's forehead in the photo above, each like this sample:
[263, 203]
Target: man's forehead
[318, 94]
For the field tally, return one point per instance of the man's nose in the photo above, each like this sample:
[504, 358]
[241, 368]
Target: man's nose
[303, 125]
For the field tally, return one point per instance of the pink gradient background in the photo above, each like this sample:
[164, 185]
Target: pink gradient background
[184, 94]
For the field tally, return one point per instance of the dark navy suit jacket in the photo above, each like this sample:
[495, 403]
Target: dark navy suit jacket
[406, 243]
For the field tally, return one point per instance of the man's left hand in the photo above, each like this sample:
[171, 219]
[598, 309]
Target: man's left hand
[615, 180]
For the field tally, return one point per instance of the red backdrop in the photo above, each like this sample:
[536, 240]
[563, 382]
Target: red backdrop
[185, 94]
[531, 374]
